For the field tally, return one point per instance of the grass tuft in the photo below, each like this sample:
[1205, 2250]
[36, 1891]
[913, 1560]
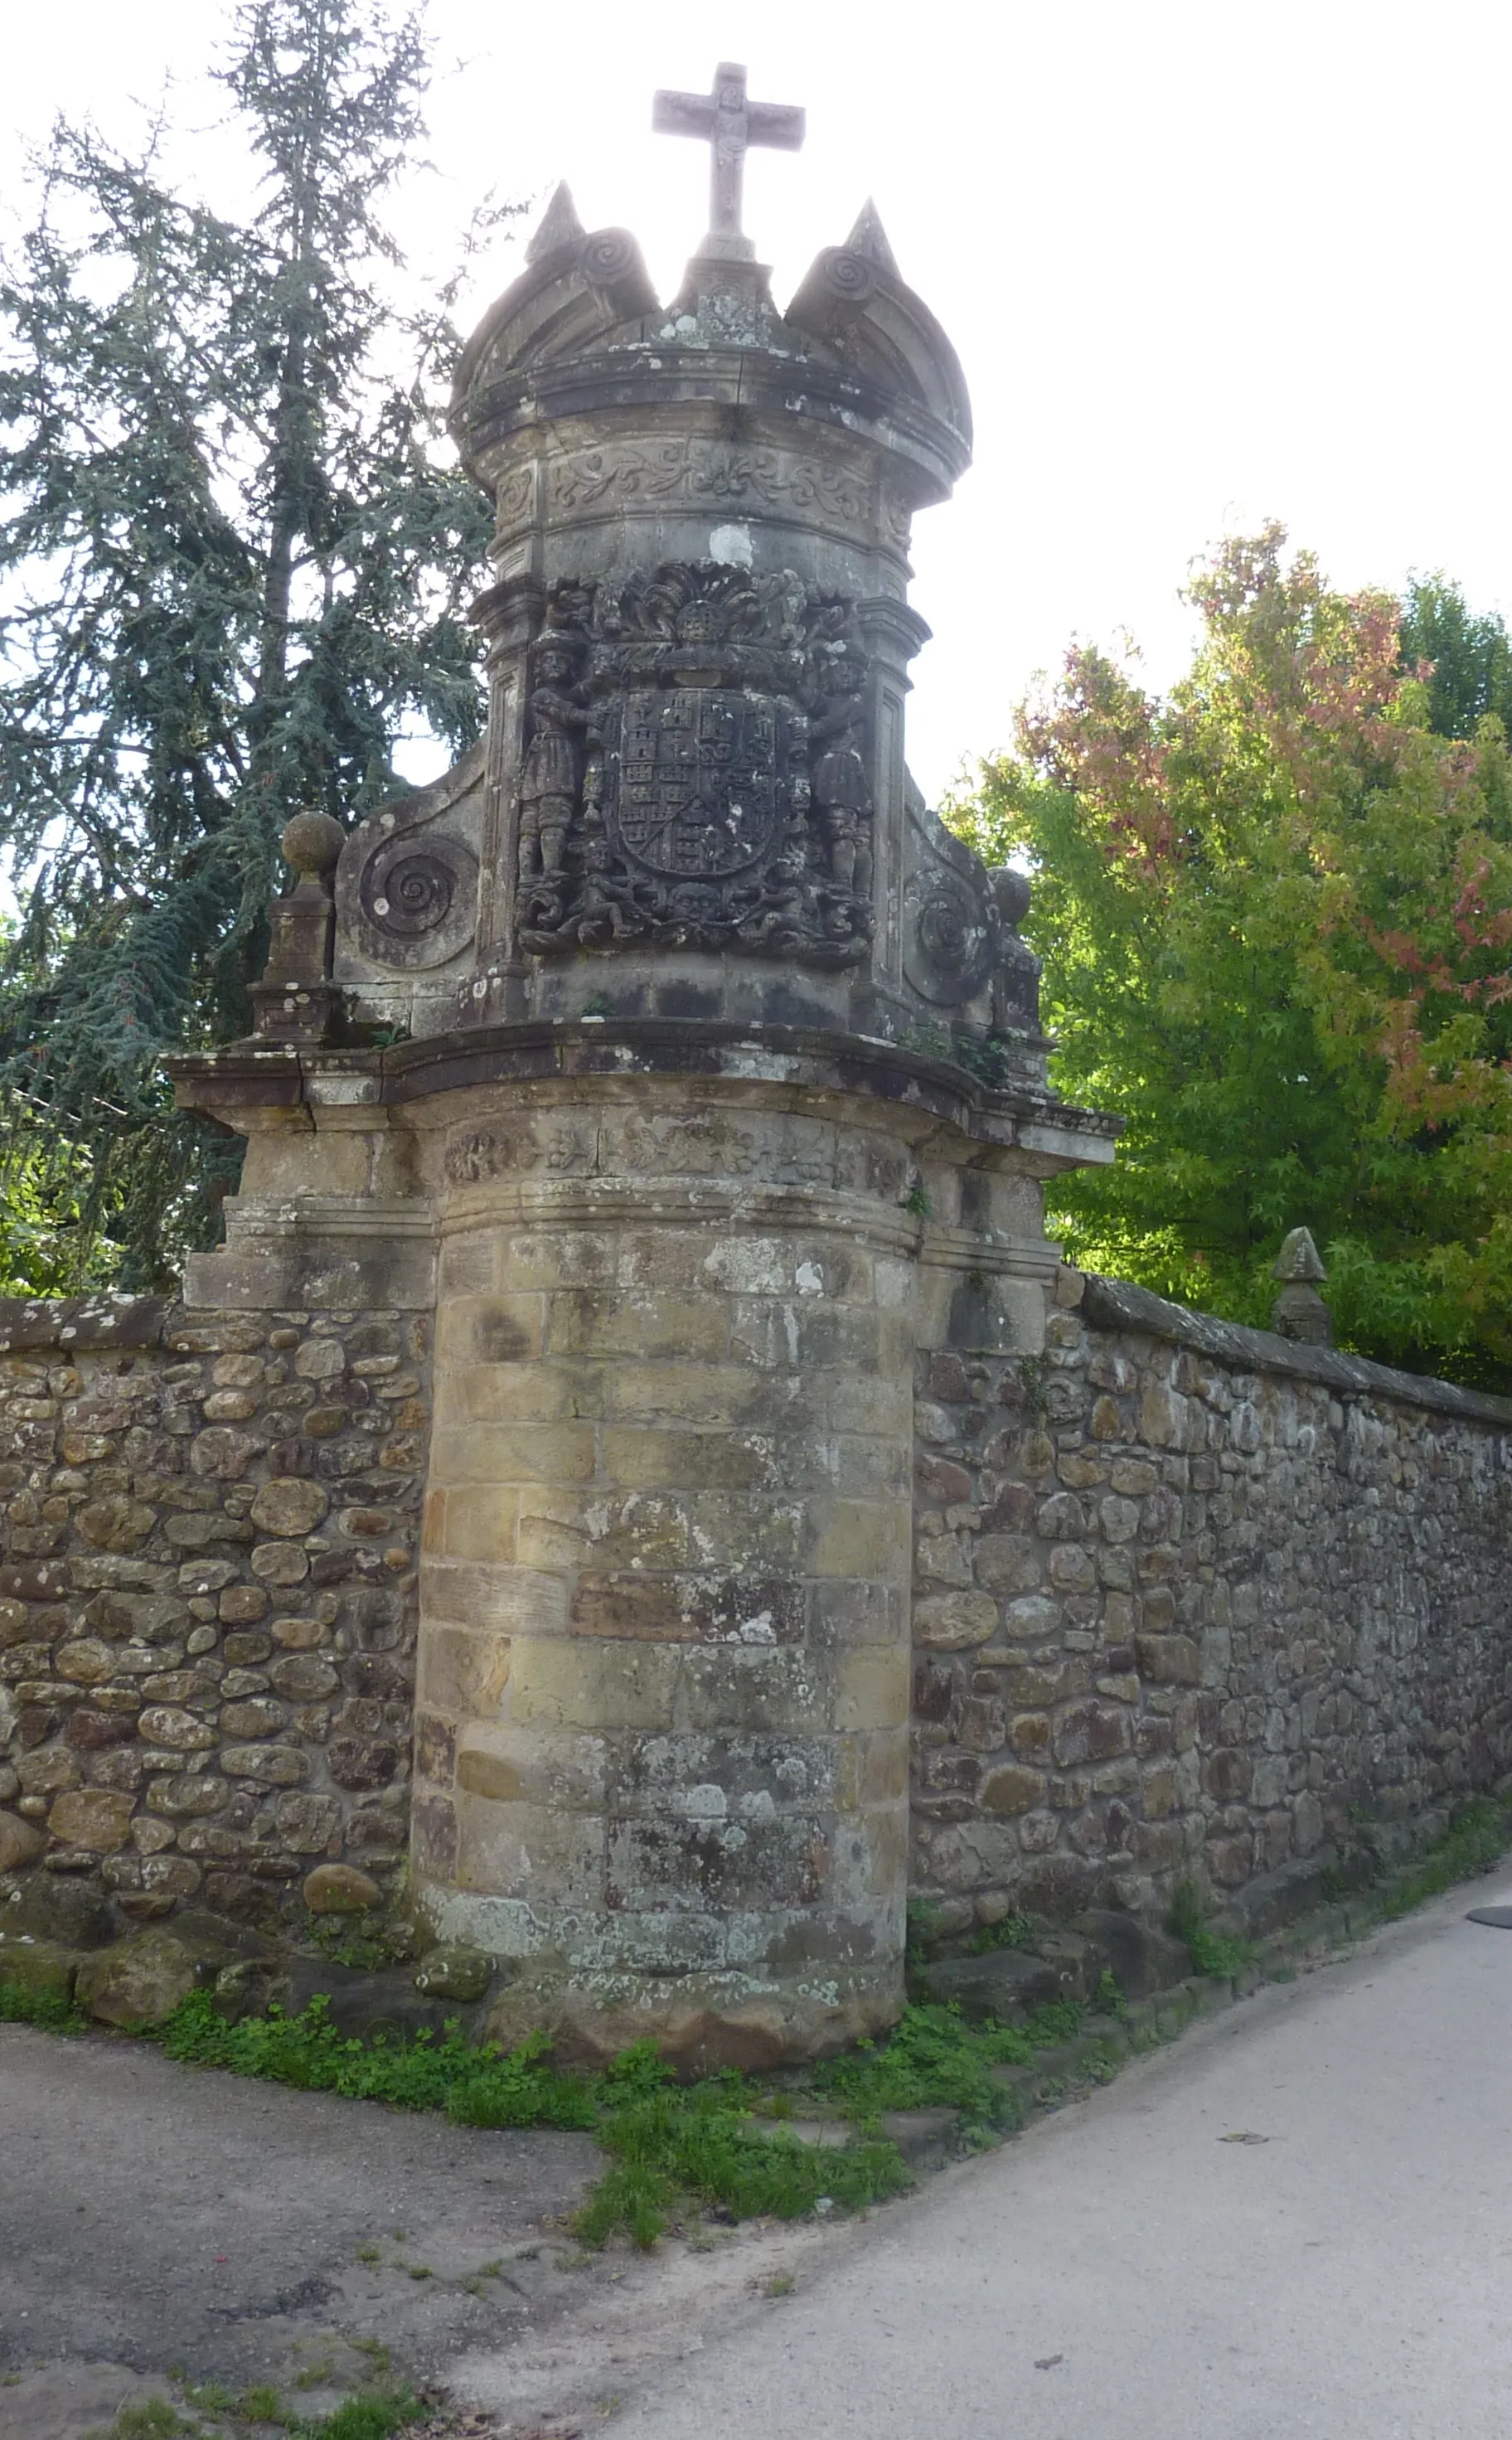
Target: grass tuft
[51, 2010]
[1474, 1841]
[1209, 1951]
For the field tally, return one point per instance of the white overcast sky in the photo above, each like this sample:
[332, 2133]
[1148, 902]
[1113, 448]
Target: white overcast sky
[1203, 263]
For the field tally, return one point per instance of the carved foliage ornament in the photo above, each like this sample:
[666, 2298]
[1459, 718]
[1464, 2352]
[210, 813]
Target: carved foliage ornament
[693, 774]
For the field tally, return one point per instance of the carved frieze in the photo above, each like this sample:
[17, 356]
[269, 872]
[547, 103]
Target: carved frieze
[698, 471]
[694, 774]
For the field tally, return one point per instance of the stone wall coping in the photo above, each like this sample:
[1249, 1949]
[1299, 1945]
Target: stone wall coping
[1116, 1304]
[68, 1326]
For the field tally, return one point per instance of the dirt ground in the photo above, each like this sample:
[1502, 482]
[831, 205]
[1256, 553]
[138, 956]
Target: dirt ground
[160, 2222]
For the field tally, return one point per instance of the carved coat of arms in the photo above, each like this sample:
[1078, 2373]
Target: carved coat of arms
[693, 774]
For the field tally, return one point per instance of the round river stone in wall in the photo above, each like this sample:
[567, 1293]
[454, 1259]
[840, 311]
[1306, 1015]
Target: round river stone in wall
[454, 1973]
[289, 1504]
[19, 1842]
[339, 1888]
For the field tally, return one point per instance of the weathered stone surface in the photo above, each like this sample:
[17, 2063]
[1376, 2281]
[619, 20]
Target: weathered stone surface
[365, 2007]
[38, 1967]
[1004, 1985]
[139, 1983]
[65, 1908]
[132, 1643]
[20, 1842]
[1141, 1956]
[289, 1504]
[455, 1973]
[94, 1818]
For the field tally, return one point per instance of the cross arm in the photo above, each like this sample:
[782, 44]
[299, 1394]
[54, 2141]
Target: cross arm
[682, 113]
[774, 124]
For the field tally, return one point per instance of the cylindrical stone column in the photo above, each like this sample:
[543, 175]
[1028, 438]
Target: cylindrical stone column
[663, 1703]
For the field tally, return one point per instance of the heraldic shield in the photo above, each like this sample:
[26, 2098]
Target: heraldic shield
[669, 792]
[698, 781]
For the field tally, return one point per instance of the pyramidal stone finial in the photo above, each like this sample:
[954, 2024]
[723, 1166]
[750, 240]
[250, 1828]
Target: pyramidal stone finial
[559, 225]
[1299, 1258]
[1299, 1311]
[869, 238]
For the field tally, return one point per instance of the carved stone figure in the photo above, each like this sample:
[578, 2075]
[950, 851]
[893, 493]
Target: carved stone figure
[550, 777]
[842, 796]
[723, 802]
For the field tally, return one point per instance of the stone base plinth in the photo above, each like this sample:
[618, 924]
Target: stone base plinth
[662, 1702]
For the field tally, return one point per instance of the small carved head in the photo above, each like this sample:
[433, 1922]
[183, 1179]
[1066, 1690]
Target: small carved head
[555, 657]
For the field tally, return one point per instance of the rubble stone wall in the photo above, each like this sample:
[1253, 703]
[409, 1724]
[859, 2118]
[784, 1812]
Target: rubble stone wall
[207, 1598]
[1190, 1602]
[1193, 1602]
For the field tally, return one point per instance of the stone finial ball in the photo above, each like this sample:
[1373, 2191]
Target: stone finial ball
[311, 842]
[1011, 890]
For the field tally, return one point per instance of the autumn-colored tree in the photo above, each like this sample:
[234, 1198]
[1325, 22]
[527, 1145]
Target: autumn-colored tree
[1275, 909]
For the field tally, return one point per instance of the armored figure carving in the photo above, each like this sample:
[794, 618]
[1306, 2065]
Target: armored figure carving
[842, 797]
[550, 777]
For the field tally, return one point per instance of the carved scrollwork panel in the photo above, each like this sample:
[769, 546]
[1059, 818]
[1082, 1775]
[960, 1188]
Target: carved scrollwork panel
[713, 474]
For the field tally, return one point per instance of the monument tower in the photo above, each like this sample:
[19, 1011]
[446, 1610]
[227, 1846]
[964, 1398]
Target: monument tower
[680, 1061]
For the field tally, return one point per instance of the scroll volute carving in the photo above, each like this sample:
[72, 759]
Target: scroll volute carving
[962, 947]
[407, 884]
[853, 300]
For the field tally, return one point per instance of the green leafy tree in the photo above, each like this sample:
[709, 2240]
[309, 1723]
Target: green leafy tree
[233, 569]
[1275, 909]
[1465, 660]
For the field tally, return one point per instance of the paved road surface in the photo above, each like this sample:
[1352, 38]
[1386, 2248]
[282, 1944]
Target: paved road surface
[154, 2215]
[1124, 2270]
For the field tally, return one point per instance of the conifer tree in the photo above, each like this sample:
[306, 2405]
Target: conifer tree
[234, 564]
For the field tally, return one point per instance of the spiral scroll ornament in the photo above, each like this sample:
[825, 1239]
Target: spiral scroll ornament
[849, 278]
[606, 256]
[408, 894]
[417, 898]
[950, 937]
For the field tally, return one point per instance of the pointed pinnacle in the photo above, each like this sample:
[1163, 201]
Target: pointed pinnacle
[559, 225]
[1299, 1258]
[869, 238]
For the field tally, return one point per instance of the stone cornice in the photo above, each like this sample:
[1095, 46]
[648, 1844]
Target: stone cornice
[1017, 1115]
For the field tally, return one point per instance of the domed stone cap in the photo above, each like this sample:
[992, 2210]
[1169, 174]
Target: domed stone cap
[1010, 888]
[582, 333]
[312, 843]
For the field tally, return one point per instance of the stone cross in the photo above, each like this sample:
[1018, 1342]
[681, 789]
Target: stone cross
[729, 124]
